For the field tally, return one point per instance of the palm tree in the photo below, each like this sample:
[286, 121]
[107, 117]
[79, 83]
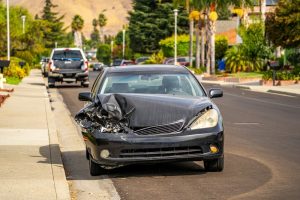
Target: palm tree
[102, 21]
[77, 26]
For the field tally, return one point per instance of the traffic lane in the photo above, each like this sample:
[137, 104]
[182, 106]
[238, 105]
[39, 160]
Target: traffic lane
[237, 175]
[276, 99]
[252, 132]
[188, 180]
[70, 93]
[268, 132]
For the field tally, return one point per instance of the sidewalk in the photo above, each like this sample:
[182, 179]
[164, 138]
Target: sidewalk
[285, 90]
[30, 160]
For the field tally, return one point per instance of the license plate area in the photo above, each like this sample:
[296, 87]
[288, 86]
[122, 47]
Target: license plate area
[69, 79]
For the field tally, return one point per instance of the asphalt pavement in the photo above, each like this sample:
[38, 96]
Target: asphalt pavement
[262, 135]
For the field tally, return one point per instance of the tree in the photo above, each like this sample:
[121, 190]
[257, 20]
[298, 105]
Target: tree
[77, 25]
[283, 27]
[102, 20]
[254, 45]
[95, 38]
[235, 60]
[104, 53]
[55, 31]
[151, 21]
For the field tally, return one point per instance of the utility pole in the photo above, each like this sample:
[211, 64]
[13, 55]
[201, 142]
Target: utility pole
[23, 17]
[124, 43]
[175, 37]
[8, 31]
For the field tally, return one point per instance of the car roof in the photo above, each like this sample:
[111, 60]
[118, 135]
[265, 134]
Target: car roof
[62, 49]
[147, 68]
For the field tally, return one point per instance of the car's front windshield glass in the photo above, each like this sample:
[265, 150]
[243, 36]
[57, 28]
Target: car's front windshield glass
[179, 84]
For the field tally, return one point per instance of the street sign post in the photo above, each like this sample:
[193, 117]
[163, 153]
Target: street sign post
[274, 65]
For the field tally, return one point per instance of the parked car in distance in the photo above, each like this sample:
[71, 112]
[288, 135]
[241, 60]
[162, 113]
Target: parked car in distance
[150, 114]
[183, 61]
[44, 63]
[97, 66]
[122, 62]
[68, 65]
[141, 60]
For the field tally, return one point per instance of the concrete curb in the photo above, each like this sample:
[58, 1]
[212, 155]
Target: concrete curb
[59, 176]
[242, 87]
[284, 93]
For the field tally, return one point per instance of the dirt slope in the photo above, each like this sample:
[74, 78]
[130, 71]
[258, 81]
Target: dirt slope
[116, 11]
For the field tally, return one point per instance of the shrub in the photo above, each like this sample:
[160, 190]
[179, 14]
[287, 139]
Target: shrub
[235, 60]
[167, 45]
[104, 54]
[26, 56]
[221, 47]
[14, 71]
[156, 58]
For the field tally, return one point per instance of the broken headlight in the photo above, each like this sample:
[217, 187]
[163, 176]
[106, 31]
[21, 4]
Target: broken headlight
[208, 119]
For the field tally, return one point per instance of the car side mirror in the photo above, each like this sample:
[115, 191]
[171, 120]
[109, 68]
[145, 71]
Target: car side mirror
[85, 96]
[215, 93]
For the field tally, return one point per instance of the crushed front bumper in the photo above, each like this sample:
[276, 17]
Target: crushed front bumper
[127, 149]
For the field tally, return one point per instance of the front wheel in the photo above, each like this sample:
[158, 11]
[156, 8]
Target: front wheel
[214, 165]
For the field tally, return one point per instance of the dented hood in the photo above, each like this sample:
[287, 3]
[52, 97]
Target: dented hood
[145, 110]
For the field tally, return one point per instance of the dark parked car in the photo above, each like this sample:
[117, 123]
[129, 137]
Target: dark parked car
[68, 65]
[98, 66]
[122, 62]
[150, 113]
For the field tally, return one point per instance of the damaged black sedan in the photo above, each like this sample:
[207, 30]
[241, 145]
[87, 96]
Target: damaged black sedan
[150, 113]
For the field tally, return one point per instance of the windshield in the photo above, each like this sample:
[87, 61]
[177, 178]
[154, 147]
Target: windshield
[170, 84]
[67, 55]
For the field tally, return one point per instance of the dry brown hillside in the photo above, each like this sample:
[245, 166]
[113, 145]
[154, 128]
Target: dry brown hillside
[116, 11]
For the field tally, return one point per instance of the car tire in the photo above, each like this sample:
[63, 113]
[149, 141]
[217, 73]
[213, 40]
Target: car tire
[214, 165]
[51, 82]
[83, 84]
[87, 155]
[95, 169]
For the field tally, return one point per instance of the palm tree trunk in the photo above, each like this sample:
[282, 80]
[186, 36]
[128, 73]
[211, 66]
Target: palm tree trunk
[198, 46]
[78, 39]
[212, 46]
[207, 28]
[202, 63]
[191, 42]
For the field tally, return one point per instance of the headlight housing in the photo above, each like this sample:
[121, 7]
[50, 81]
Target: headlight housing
[207, 120]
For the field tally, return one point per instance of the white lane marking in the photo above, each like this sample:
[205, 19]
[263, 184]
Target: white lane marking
[262, 101]
[247, 123]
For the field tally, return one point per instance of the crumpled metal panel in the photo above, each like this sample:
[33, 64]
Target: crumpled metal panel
[123, 112]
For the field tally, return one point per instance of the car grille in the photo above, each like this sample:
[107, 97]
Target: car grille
[161, 129]
[161, 152]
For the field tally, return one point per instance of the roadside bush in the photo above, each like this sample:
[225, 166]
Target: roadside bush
[196, 70]
[221, 47]
[26, 56]
[167, 45]
[14, 71]
[281, 75]
[156, 58]
[104, 54]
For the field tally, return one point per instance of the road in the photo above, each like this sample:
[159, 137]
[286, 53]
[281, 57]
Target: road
[262, 137]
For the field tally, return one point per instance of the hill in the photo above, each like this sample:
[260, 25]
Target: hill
[115, 10]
